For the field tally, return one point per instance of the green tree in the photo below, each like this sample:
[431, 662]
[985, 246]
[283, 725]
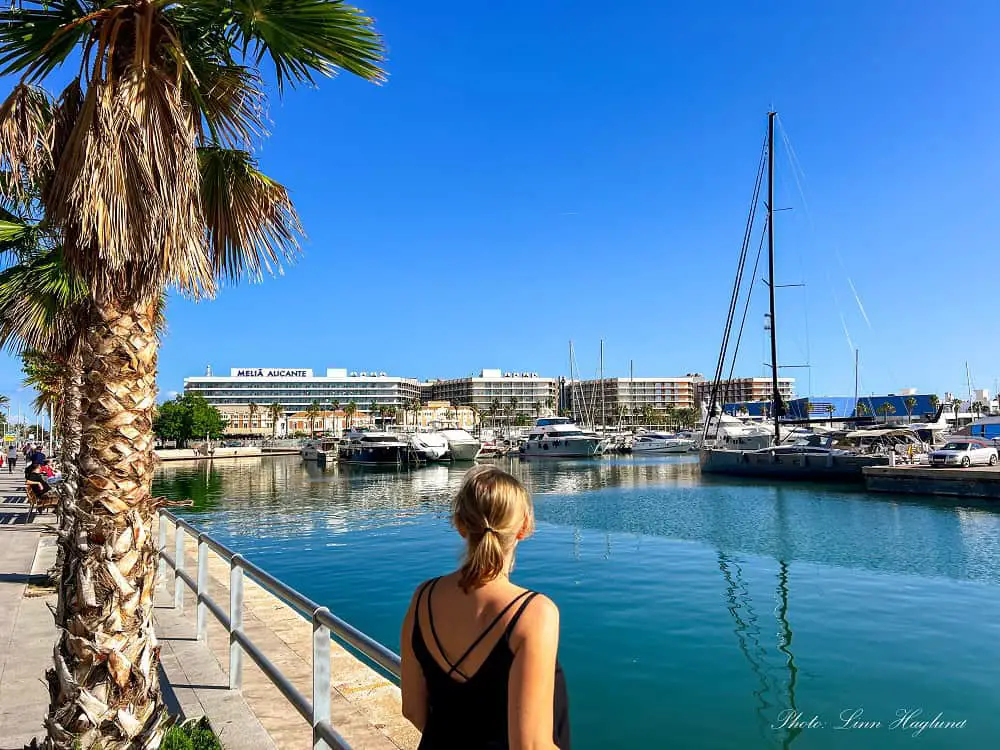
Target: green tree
[935, 402]
[144, 164]
[977, 408]
[253, 408]
[350, 410]
[886, 409]
[415, 407]
[861, 409]
[550, 404]
[205, 418]
[496, 406]
[275, 411]
[956, 407]
[910, 403]
[512, 403]
[173, 421]
[312, 413]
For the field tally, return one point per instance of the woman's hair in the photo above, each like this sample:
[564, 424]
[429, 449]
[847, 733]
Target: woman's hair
[490, 509]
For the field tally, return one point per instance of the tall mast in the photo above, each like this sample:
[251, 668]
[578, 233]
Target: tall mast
[775, 395]
[855, 382]
[604, 414]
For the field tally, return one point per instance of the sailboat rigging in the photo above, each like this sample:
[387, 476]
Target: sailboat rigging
[747, 451]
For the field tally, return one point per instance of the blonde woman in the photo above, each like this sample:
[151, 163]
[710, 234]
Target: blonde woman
[479, 652]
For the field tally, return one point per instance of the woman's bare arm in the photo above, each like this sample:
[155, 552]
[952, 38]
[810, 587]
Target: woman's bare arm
[531, 690]
[412, 676]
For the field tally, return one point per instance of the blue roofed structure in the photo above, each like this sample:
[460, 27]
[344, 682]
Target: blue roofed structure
[843, 407]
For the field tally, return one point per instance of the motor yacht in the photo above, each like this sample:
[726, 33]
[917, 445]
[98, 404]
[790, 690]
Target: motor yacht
[462, 446]
[320, 451]
[371, 447]
[661, 442]
[431, 445]
[559, 437]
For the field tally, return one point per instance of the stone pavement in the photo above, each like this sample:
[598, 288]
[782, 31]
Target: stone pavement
[27, 631]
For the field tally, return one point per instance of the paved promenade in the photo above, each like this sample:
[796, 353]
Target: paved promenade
[365, 706]
[27, 631]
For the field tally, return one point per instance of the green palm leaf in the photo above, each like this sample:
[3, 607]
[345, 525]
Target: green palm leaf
[38, 299]
[252, 225]
[306, 36]
[36, 40]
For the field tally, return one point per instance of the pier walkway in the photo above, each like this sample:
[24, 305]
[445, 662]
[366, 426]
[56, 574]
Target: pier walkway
[364, 708]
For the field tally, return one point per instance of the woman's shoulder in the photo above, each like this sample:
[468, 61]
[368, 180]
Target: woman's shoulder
[537, 621]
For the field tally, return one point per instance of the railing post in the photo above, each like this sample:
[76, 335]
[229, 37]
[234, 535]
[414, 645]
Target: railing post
[201, 619]
[178, 566]
[321, 677]
[235, 622]
[161, 578]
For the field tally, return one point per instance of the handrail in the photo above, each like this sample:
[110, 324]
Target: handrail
[324, 623]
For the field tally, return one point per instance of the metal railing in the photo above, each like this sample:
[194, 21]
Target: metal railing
[324, 623]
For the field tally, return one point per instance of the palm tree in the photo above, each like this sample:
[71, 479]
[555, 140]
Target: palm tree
[935, 402]
[956, 407]
[861, 409]
[144, 166]
[275, 411]
[977, 408]
[311, 413]
[550, 403]
[910, 403]
[513, 406]
[415, 407]
[538, 409]
[495, 408]
[885, 409]
[807, 408]
[350, 410]
[253, 408]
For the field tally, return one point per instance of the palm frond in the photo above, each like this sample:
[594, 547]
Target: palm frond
[40, 303]
[303, 37]
[25, 132]
[252, 225]
[37, 39]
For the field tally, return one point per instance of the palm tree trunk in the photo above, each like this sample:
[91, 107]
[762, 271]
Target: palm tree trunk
[104, 690]
[69, 457]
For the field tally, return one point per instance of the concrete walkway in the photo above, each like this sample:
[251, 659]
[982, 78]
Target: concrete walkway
[27, 631]
[365, 707]
[193, 683]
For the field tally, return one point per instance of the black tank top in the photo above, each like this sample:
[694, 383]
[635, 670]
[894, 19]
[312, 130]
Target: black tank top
[471, 714]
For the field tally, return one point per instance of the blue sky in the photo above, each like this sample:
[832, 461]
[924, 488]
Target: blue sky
[539, 172]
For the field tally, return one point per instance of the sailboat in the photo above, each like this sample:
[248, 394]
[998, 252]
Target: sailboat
[815, 457]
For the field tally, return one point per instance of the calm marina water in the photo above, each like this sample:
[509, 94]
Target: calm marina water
[695, 613]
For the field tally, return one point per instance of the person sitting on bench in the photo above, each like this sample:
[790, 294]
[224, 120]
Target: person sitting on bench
[39, 485]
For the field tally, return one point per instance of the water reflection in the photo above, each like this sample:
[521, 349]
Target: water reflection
[662, 497]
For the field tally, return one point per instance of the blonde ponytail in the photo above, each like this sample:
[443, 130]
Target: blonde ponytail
[490, 510]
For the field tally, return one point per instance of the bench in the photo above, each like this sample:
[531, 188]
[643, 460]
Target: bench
[36, 503]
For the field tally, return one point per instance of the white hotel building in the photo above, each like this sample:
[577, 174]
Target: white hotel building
[295, 390]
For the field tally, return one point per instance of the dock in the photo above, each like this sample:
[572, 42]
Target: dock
[978, 481]
[192, 454]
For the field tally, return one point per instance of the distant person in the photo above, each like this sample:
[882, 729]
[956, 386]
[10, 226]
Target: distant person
[11, 459]
[479, 666]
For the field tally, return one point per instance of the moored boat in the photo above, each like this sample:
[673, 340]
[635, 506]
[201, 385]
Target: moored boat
[559, 437]
[376, 448]
[652, 441]
[462, 446]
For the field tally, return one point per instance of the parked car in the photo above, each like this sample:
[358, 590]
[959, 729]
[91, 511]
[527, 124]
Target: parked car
[964, 453]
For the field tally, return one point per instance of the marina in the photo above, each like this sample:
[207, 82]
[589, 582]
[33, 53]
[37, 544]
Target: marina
[683, 598]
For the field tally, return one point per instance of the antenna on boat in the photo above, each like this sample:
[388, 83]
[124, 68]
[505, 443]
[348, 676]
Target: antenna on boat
[776, 405]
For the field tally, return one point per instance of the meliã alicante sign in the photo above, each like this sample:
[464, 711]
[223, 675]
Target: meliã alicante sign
[268, 372]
